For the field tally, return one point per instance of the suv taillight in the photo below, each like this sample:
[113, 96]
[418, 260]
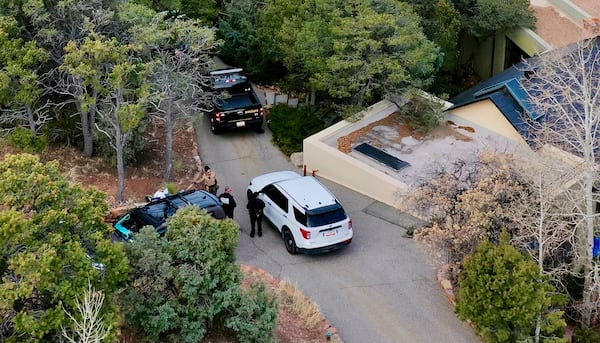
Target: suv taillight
[261, 112]
[218, 116]
[350, 224]
[305, 233]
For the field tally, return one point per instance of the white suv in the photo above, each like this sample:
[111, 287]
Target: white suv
[309, 217]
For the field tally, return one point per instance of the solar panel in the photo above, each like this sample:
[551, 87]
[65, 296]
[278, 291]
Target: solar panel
[521, 96]
[381, 156]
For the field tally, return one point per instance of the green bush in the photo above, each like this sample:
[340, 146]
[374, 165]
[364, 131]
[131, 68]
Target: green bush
[585, 335]
[48, 229]
[503, 293]
[187, 282]
[172, 187]
[422, 114]
[25, 140]
[254, 318]
[291, 125]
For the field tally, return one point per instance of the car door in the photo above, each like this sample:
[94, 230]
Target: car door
[276, 206]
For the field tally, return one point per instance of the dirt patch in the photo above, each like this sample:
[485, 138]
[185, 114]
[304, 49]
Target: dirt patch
[141, 179]
[345, 143]
[450, 129]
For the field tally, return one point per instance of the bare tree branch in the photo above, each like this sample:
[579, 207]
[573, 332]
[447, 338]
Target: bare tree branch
[88, 323]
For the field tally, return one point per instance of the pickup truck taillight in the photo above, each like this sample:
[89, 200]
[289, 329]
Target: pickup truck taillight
[218, 116]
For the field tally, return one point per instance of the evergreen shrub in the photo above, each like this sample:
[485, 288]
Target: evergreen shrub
[25, 140]
[291, 125]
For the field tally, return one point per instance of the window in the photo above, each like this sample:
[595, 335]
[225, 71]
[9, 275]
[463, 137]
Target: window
[279, 199]
[300, 217]
[326, 215]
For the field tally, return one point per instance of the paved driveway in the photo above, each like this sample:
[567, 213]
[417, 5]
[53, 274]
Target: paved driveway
[380, 289]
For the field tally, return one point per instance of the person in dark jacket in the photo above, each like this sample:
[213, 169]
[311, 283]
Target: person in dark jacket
[228, 202]
[255, 209]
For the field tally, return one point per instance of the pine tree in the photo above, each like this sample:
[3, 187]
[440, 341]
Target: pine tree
[503, 293]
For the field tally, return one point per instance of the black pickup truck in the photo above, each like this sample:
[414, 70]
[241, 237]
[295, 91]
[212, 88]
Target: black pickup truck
[235, 105]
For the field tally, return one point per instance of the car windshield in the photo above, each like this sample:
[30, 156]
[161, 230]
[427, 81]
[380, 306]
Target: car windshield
[326, 215]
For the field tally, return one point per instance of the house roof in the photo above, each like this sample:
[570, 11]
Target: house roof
[507, 93]
[510, 91]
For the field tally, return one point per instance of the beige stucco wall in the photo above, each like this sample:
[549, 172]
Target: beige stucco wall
[486, 114]
[321, 155]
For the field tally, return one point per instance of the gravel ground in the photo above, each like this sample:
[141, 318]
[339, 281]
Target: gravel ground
[592, 7]
[557, 29]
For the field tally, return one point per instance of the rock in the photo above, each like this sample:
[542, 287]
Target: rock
[297, 159]
[446, 284]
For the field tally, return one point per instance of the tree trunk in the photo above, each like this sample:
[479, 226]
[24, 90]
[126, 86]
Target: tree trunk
[170, 125]
[120, 145]
[86, 131]
[31, 120]
[586, 246]
[313, 96]
[92, 121]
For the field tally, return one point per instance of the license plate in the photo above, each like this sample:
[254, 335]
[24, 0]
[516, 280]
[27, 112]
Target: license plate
[240, 123]
[330, 233]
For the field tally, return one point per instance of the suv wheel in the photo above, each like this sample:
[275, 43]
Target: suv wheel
[213, 128]
[288, 240]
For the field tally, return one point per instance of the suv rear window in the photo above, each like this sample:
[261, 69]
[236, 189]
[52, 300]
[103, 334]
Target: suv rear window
[326, 215]
[300, 217]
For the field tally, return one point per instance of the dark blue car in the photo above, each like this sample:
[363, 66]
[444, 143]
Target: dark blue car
[156, 212]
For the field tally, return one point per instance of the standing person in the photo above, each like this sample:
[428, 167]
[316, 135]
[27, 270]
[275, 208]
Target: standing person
[255, 209]
[209, 178]
[228, 202]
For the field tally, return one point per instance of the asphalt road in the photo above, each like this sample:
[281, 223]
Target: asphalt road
[382, 288]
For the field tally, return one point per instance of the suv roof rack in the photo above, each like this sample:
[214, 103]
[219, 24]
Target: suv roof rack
[226, 71]
[227, 78]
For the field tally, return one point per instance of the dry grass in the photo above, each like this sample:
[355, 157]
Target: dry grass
[296, 302]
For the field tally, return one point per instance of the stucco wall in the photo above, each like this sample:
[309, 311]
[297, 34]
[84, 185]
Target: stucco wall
[322, 156]
[486, 114]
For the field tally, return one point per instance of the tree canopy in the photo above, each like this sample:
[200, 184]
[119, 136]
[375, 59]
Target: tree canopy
[186, 281]
[503, 293]
[353, 52]
[51, 233]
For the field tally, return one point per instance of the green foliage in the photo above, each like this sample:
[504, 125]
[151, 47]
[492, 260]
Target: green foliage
[183, 283]
[291, 125]
[446, 16]
[483, 18]
[355, 51]
[585, 335]
[254, 317]
[437, 14]
[248, 42]
[207, 10]
[378, 49]
[421, 113]
[159, 5]
[25, 140]
[502, 292]
[172, 187]
[48, 227]
[20, 66]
